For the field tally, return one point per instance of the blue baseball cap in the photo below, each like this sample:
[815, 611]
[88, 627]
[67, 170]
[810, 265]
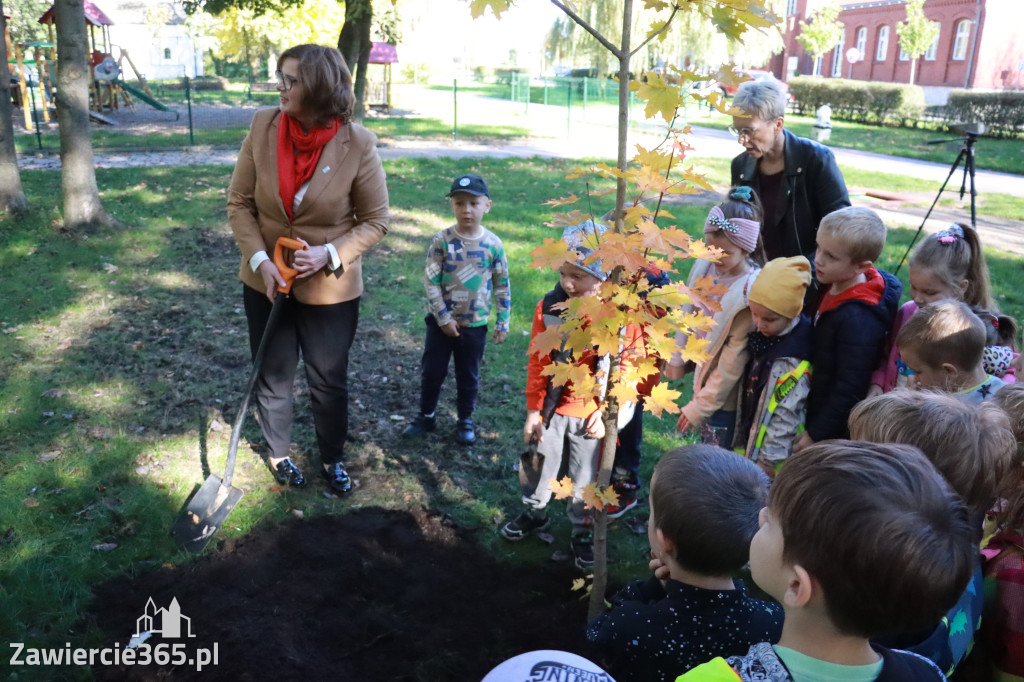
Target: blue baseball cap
[470, 184]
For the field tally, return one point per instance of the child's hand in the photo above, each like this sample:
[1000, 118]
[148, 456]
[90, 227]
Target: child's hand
[683, 424]
[595, 425]
[533, 429]
[451, 329]
[658, 568]
[802, 442]
[874, 390]
[499, 337]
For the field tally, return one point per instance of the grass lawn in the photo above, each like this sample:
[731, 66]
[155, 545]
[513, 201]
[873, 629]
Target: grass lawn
[123, 356]
[1006, 155]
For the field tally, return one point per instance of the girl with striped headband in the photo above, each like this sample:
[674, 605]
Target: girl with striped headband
[734, 226]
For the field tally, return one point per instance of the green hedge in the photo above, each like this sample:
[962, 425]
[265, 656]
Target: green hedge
[1002, 112]
[861, 101]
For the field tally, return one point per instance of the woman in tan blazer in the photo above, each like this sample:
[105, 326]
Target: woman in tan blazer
[306, 171]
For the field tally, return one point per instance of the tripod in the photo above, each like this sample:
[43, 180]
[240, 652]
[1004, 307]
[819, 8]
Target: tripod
[966, 156]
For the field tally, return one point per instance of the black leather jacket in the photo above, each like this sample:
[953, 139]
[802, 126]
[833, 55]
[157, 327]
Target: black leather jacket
[812, 187]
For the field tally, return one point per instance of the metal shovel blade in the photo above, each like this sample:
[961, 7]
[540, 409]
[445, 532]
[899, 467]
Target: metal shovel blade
[531, 463]
[205, 513]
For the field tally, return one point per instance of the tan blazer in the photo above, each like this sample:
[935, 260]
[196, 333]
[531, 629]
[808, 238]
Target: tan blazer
[346, 204]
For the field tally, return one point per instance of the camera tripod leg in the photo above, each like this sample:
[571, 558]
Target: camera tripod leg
[968, 162]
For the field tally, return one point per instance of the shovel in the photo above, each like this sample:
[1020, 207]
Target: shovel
[215, 499]
[531, 463]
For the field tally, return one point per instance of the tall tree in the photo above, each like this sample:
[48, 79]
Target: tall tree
[916, 34]
[821, 33]
[82, 207]
[354, 43]
[12, 198]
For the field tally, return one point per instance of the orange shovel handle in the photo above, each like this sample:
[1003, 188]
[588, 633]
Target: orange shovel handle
[287, 271]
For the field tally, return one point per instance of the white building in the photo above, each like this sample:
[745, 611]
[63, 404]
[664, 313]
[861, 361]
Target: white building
[154, 34]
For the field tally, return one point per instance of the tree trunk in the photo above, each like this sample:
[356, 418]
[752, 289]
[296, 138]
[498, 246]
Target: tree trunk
[611, 421]
[354, 44]
[913, 66]
[82, 207]
[12, 198]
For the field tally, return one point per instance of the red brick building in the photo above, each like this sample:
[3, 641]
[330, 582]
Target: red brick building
[980, 44]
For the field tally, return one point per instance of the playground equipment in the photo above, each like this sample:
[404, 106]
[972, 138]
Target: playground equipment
[106, 85]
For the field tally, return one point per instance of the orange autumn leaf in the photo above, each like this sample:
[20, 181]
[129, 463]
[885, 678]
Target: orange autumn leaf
[698, 249]
[654, 158]
[546, 341]
[662, 399]
[695, 350]
[563, 201]
[608, 496]
[573, 217]
[591, 498]
[551, 253]
[561, 489]
[624, 392]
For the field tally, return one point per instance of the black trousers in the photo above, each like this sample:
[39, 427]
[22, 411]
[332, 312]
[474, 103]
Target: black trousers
[323, 335]
[438, 350]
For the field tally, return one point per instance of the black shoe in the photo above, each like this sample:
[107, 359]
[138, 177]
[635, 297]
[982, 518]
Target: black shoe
[465, 434]
[583, 550]
[420, 426]
[626, 491]
[523, 525]
[286, 473]
[337, 478]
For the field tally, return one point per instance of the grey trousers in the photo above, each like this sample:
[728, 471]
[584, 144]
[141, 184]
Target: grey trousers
[567, 452]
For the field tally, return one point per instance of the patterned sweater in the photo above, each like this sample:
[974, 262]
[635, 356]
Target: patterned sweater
[465, 277]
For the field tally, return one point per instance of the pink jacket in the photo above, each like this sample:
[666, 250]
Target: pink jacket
[885, 375]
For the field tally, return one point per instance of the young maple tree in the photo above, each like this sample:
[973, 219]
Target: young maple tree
[635, 244]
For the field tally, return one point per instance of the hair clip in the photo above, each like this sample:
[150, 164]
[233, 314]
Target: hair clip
[742, 192]
[723, 224]
[950, 234]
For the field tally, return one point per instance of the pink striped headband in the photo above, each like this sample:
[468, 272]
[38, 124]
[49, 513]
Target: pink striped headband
[740, 231]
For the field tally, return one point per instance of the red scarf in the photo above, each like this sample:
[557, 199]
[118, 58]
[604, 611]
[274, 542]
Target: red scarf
[298, 153]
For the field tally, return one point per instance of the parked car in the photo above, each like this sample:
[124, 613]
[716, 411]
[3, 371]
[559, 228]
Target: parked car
[729, 89]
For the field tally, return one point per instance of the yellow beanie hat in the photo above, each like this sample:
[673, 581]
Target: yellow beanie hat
[781, 285]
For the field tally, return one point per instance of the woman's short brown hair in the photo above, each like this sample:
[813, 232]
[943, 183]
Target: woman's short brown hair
[326, 81]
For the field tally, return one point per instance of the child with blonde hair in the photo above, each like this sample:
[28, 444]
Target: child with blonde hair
[1001, 638]
[852, 319]
[973, 447]
[950, 264]
[943, 345]
[734, 226]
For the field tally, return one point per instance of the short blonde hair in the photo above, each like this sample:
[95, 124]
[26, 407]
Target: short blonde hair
[1010, 399]
[944, 331]
[859, 230]
[972, 445]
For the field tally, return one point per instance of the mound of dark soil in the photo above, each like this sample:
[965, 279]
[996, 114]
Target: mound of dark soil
[373, 595]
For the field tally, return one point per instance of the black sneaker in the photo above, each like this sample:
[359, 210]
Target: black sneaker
[626, 490]
[524, 525]
[583, 550]
[465, 433]
[420, 426]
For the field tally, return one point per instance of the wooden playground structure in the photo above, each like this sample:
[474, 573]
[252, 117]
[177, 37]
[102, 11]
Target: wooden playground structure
[106, 88]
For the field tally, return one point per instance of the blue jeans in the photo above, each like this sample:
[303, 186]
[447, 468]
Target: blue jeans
[468, 350]
[627, 451]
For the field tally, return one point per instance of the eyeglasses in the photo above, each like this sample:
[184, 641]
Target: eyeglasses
[744, 132]
[285, 81]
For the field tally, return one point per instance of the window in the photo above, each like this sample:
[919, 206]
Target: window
[904, 57]
[963, 34]
[167, 53]
[933, 49]
[790, 8]
[883, 44]
[862, 40]
[837, 56]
